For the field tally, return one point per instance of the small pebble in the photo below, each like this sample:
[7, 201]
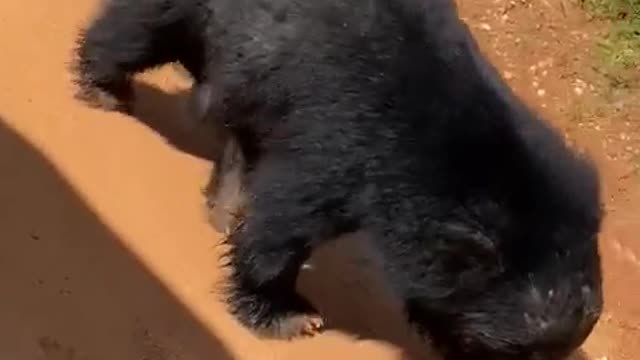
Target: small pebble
[541, 92]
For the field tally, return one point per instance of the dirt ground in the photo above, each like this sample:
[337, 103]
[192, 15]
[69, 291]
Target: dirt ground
[105, 253]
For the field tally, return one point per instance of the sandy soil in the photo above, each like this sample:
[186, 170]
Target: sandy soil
[105, 252]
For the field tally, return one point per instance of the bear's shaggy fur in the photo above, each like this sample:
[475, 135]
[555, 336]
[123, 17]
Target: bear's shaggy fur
[380, 116]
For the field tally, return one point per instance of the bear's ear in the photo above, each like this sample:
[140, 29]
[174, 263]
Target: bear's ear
[463, 258]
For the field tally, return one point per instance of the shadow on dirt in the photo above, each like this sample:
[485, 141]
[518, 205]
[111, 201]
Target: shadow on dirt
[165, 114]
[344, 282]
[71, 291]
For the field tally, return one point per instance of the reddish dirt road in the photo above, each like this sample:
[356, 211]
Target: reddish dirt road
[105, 253]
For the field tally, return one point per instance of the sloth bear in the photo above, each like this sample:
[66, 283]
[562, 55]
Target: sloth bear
[379, 116]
